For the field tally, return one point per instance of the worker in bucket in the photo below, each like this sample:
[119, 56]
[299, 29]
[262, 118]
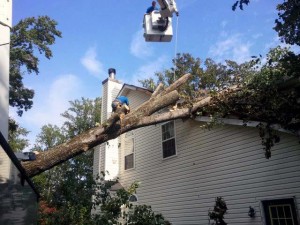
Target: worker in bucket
[152, 7]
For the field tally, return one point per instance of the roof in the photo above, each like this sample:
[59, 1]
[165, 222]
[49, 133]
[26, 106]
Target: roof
[128, 87]
[117, 186]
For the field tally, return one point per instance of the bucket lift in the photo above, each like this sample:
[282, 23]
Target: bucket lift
[158, 24]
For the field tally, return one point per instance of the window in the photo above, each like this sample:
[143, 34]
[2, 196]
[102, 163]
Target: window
[168, 139]
[129, 150]
[133, 198]
[129, 161]
[280, 212]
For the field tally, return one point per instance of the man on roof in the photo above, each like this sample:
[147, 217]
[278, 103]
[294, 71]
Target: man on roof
[119, 102]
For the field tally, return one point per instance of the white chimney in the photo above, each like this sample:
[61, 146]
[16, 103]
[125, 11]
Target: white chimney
[106, 156]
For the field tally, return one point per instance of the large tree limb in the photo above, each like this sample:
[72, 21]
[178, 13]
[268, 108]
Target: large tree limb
[110, 130]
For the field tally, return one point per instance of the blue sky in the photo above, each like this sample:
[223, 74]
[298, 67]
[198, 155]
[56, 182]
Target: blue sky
[99, 34]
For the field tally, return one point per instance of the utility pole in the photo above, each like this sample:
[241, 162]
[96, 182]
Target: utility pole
[5, 26]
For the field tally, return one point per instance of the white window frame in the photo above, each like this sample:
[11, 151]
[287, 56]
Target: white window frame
[128, 135]
[162, 141]
[265, 203]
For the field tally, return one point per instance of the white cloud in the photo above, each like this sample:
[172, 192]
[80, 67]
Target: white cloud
[256, 36]
[138, 47]
[91, 63]
[232, 47]
[50, 103]
[54, 101]
[185, 4]
[276, 41]
[148, 70]
[224, 23]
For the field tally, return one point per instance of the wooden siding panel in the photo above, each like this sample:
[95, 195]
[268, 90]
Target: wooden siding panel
[227, 161]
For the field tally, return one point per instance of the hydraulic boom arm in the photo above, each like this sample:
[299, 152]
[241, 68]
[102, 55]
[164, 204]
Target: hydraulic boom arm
[167, 8]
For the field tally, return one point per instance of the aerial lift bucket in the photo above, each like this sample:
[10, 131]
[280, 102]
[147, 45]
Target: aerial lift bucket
[156, 28]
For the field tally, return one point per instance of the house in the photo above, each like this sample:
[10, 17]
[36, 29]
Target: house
[183, 167]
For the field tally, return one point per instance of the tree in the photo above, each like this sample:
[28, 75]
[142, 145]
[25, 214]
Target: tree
[143, 215]
[17, 136]
[116, 206]
[264, 92]
[27, 37]
[288, 23]
[217, 214]
[59, 185]
[49, 137]
[214, 77]
[82, 115]
[184, 63]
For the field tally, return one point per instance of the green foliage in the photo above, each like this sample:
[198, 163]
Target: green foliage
[210, 78]
[49, 137]
[241, 4]
[269, 137]
[269, 89]
[82, 115]
[184, 63]
[110, 204]
[270, 93]
[27, 37]
[270, 96]
[17, 136]
[217, 214]
[288, 22]
[143, 215]
[61, 185]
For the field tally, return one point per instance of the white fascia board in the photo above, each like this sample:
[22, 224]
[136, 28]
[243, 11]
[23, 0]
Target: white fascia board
[238, 122]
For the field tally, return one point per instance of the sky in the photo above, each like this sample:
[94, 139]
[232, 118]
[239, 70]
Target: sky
[98, 35]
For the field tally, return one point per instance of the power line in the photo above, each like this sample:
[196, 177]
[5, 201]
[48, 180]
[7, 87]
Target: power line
[176, 32]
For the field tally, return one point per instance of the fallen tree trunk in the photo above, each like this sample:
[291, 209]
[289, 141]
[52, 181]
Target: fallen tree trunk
[145, 115]
[140, 117]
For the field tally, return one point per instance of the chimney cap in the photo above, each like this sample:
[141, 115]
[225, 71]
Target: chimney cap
[111, 70]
